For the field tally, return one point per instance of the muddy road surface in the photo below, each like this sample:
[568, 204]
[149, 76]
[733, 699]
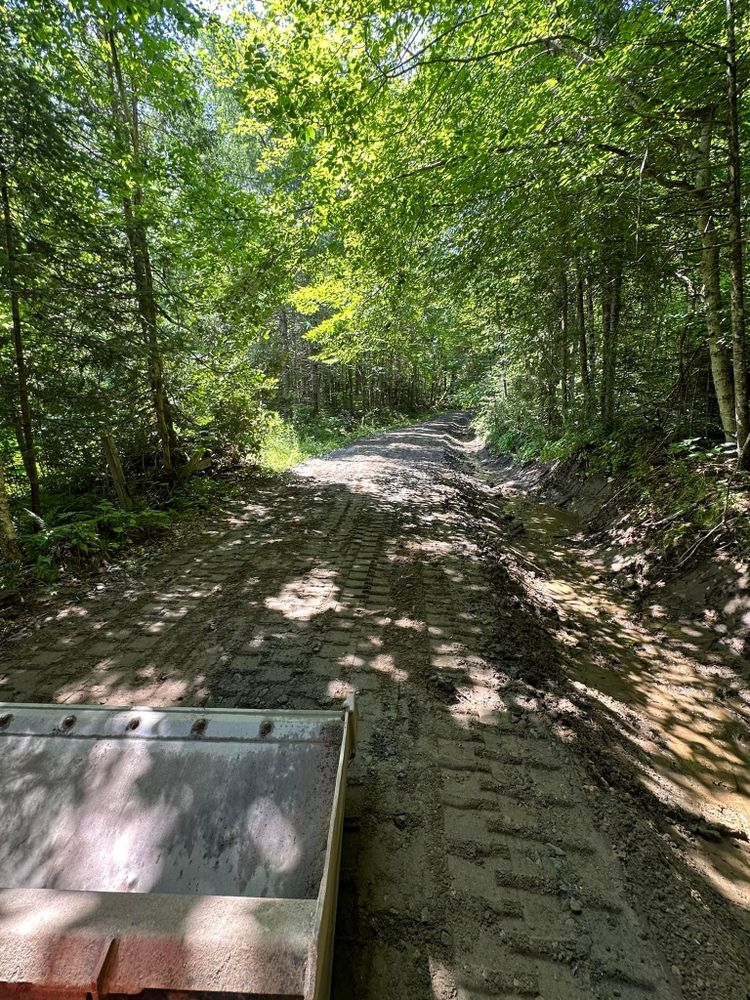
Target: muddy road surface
[497, 844]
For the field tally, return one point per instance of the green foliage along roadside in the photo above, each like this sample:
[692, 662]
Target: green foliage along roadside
[214, 214]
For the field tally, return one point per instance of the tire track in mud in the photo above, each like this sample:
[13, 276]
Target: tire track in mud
[685, 888]
[473, 868]
[544, 914]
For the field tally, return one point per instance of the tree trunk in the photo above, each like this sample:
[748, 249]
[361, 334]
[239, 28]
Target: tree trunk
[583, 357]
[9, 547]
[721, 362]
[742, 417]
[125, 112]
[551, 376]
[315, 388]
[286, 373]
[611, 305]
[606, 309]
[116, 472]
[591, 324]
[28, 449]
[564, 345]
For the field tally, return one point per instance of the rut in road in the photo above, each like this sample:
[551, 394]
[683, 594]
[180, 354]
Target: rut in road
[472, 866]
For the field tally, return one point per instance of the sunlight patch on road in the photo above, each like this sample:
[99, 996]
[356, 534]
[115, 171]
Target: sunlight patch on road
[339, 689]
[303, 598]
[442, 980]
[385, 664]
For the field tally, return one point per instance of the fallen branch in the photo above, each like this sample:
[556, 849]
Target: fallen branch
[704, 538]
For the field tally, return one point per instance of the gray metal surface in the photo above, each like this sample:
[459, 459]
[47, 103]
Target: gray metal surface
[179, 849]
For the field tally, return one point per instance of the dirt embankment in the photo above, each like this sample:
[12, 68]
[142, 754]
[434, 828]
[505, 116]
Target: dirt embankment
[665, 563]
[657, 704]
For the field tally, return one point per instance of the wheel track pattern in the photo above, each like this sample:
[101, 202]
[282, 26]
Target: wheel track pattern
[472, 869]
[526, 842]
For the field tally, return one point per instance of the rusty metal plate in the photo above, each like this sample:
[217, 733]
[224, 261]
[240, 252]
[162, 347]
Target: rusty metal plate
[184, 850]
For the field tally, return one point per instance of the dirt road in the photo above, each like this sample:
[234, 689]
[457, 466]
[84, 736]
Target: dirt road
[478, 861]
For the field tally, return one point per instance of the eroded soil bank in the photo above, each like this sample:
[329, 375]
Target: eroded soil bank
[549, 797]
[654, 693]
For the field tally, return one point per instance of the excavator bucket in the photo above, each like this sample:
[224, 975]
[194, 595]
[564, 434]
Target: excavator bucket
[169, 854]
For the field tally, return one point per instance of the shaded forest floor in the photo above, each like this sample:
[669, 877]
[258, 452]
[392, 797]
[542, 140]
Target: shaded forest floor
[550, 795]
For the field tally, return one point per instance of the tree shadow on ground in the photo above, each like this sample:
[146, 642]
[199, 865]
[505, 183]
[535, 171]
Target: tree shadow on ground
[668, 751]
[332, 585]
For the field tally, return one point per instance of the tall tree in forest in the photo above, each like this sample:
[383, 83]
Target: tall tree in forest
[125, 118]
[25, 424]
[30, 141]
[9, 547]
[736, 246]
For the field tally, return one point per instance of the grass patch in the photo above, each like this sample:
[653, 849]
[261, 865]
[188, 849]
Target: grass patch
[290, 440]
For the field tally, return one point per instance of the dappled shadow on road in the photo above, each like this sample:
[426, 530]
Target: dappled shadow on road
[467, 841]
[292, 601]
[662, 720]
